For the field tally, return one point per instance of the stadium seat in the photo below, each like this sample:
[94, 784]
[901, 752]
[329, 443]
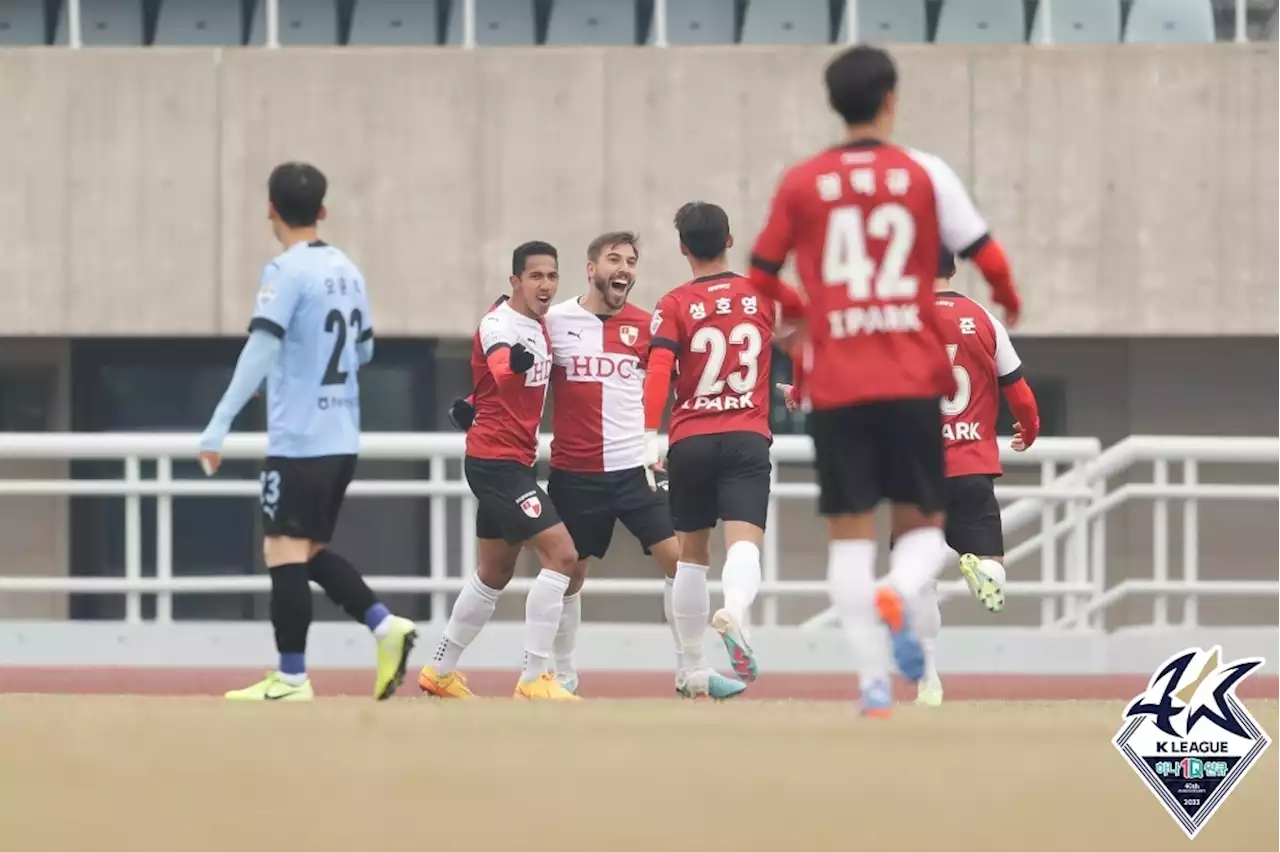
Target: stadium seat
[787, 22]
[1080, 22]
[104, 23]
[209, 22]
[499, 23]
[1170, 22]
[889, 22]
[611, 22]
[302, 22]
[697, 22]
[982, 22]
[393, 22]
[22, 23]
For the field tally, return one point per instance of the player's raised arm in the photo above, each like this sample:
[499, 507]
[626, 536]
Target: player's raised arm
[769, 253]
[965, 233]
[505, 355]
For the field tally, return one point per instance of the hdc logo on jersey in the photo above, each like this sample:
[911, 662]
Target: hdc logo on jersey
[587, 367]
[628, 334]
[1189, 737]
[530, 504]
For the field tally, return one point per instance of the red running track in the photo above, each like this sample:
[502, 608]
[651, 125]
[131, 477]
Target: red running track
[595, 684]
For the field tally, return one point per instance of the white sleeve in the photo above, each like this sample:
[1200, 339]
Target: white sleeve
[496, 331]
[1006, 357]
[960, 223]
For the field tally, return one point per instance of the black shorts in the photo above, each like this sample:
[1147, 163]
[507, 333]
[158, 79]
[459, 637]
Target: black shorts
[973, 516]
[592, 503]
[513, 507]
[721, 477]
[876, 451]
[301, 498]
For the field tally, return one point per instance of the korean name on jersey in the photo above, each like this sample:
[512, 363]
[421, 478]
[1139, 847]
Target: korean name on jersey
[314, 298]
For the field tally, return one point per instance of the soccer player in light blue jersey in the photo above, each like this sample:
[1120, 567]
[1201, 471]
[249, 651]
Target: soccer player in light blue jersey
[311, 332]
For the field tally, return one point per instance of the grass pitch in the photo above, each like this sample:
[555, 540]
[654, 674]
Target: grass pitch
[192, 774]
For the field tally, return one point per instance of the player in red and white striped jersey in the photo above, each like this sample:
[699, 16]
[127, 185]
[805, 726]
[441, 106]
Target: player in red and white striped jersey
[985, 365]
[600, 346]
[511, 367]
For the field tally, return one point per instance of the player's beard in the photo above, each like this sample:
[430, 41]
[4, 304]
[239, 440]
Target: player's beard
[613, 299]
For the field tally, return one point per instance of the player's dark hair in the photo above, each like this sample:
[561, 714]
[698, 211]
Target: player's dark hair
[296, 191]
[611, 239]
[533, 248]
[703, 228]
[858, 81]
[946, 264]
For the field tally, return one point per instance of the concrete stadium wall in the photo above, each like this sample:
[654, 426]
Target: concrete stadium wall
[1136, 188]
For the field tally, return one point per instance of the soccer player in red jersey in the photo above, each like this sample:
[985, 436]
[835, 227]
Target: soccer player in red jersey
[866, 221]
[985, 365]
[600, 345]
[511, 366]
[718, 332]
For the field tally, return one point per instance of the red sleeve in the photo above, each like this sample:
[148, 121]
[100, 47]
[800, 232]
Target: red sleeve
[994, 265]
[770, 252]
[1022, 402]
[499, 362]
[664, 325]
[657, 385]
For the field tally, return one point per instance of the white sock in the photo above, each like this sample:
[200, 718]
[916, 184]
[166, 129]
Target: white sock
[691, 610]
[669, 614]
[567, 634]
[994, 570]
[542, 610]
[293, 679]
[741, 579]
[917, 559]
[851, 579]
[471, 612]
[926, 614]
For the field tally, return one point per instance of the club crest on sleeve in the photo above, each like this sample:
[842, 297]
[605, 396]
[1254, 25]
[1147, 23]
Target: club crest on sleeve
[655, 322]
[266, 295]
[530, 505]
[1189, 737]
[629, 334]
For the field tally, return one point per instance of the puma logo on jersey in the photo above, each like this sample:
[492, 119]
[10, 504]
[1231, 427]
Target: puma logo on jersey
[961, 432]
[874, 319]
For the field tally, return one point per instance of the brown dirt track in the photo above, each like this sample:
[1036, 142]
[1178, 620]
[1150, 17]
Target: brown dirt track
[136, 774]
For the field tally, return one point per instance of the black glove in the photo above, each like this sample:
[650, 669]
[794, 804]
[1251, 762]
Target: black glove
[462, 414]
[521, 358]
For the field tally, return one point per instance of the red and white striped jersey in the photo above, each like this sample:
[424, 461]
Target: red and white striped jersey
[983, 360]
[507, 418]
[597, 377]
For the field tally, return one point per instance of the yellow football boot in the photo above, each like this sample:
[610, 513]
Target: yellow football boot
[545, 688]
[393, 655]
[448, 685]
[273, 689]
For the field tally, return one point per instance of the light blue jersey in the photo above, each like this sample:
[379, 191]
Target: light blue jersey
[313, 299]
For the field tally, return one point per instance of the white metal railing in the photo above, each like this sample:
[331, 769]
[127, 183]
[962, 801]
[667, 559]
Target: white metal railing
[467, 8]
[436, 450]
[1071, 504]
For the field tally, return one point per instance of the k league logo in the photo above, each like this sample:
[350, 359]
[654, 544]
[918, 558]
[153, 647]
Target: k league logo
[1189, 737]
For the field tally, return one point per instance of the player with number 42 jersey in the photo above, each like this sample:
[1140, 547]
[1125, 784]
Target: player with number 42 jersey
[865, 222]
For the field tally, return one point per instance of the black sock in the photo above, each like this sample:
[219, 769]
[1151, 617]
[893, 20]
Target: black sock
[291, 615]
[343, 584]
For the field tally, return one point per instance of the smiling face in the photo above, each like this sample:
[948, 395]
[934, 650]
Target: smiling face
[613, 274]
[536, 285]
